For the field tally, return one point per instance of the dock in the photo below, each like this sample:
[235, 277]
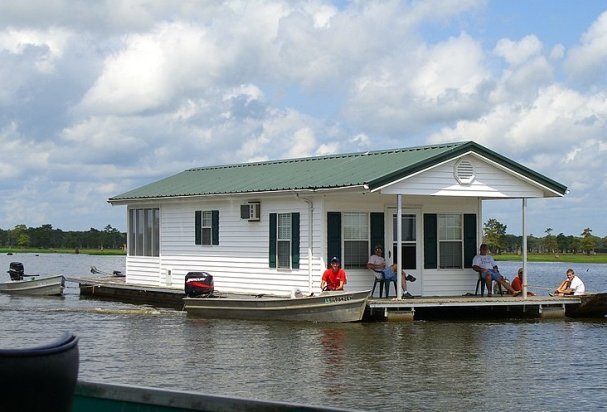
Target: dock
[419, 308]
[473, 307]
[114, 288]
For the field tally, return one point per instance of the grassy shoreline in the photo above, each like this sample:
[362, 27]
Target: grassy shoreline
[551, 257]
[532, 257]
[109, 252]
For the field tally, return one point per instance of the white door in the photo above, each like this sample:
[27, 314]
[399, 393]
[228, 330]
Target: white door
[411, 247]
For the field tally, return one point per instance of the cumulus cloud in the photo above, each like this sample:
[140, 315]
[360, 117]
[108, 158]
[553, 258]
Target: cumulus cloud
[132, 92]
[586, 62]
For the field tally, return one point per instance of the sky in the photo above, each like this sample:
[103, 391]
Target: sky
[98, 98]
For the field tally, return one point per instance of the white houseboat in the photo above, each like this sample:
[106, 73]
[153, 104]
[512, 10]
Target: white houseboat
[272, 227]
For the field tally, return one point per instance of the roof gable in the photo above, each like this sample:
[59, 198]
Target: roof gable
[367, 169]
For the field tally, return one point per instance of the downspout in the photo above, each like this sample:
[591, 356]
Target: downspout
[310, 240]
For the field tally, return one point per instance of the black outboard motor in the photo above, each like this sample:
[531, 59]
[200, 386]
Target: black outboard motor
[16, 271]
[198, 284]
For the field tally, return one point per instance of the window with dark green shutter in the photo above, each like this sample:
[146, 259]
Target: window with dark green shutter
[469, 239]
[333, 235]
[206, 227]
[284, 241]
[430, 241]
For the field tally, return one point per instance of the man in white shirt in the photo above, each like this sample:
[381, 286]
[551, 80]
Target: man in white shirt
[487, 268]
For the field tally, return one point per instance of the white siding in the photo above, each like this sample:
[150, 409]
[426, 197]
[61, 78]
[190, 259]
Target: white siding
[240, 261]
[489, 181]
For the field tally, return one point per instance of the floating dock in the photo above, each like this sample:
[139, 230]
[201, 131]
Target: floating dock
[419, 308]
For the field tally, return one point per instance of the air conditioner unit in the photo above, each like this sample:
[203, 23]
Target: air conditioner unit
[251, 211]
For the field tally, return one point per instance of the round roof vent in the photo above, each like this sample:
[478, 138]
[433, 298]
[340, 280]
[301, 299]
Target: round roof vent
[464, 172]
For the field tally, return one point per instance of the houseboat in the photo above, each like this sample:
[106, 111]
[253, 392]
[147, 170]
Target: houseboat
[271, 227]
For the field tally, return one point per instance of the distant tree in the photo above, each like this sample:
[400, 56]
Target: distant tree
[550, 242]
[587, 241]
[494, 235]
[562, 243]
[23, 240]
[513, 244]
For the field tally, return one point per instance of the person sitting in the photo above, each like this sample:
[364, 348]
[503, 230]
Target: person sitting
[573, 285]
[389, 274]
[517, 283]
[487, 269]
[334, 278]
[376, 262]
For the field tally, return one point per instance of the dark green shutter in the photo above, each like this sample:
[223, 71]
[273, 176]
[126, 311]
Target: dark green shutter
[333, 235]
[198, 227]
[215, 227]
[272, 245]
[469, 239]
[430, 241]
[377, 230]
[295, 240]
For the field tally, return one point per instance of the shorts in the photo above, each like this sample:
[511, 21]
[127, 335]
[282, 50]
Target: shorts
[495, 275]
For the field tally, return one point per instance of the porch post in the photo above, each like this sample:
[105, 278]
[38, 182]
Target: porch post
[399, 249]
[524, 248]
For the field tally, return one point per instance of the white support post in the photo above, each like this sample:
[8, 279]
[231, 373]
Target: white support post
[524, 248]
[399, 248]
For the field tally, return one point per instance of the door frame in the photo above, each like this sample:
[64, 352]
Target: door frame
[415, 288]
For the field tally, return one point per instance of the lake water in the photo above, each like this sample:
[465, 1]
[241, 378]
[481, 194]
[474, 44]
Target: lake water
[441, 365]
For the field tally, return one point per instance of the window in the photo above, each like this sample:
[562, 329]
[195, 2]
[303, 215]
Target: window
[206, 227]
[356, 240]
[284, 241]
[409, 240]
[450, 241]
[144, 232]
[283, 249]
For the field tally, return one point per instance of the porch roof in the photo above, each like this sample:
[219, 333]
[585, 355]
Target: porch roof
[368, 170]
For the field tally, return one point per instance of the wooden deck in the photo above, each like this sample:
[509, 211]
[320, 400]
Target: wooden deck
[419, 308]
[471, 307]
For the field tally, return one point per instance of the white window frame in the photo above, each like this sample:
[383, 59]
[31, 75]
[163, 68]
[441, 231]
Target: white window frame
[356, 229]
[450, 228]
[284, 230]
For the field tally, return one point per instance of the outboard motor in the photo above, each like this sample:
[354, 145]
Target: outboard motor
[16, 271]
[198, 284]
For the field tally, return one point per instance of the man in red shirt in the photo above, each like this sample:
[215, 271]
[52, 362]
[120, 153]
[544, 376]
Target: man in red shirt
[517, 284]
[333, 278]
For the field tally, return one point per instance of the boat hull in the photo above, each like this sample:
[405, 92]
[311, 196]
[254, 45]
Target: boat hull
[592, 305]
[327, 307]
[39, 286]
[99, 396]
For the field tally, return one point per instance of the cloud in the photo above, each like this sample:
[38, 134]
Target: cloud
[586, 63]
[131, 92]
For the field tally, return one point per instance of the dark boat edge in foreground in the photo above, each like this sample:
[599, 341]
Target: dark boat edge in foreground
[97, 396]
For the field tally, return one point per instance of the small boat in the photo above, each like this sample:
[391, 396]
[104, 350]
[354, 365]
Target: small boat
[39, 378]
[23, 284]
[592, 305]
[326, 307]
[98, 396]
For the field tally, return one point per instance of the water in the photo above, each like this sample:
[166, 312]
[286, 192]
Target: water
[467, 365]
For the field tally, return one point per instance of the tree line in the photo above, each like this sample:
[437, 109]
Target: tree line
[500, 242]
[46, 237]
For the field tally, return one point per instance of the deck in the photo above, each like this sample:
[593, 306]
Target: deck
[419, 308]
[472, 307]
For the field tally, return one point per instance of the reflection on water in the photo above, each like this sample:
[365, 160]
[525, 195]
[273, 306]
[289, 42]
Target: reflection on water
[455, 365]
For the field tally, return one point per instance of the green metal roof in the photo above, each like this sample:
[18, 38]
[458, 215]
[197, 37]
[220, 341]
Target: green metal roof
[374, 169]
